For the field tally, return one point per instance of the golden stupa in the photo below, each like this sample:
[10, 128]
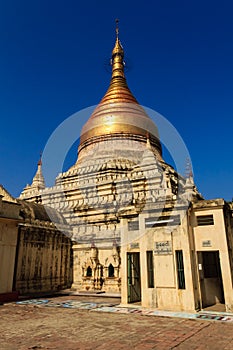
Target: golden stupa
[119, 114]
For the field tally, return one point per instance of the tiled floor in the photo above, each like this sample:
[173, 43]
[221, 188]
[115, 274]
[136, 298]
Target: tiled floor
[115, 307]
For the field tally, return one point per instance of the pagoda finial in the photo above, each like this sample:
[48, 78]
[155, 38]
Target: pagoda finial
[117, 28]
[117, 60]
[40, 159]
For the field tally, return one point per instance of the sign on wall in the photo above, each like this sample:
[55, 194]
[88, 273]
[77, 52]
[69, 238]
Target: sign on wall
[206, 243]
[134, 245]
[163, 248]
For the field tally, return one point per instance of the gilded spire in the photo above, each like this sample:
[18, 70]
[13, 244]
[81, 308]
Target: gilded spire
[118, 49]
[117, 60]
[118, 90]
[119, 112]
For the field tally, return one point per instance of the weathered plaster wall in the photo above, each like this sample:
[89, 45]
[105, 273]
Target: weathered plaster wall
[44, 261]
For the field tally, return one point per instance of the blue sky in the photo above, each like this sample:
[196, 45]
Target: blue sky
[53, 64]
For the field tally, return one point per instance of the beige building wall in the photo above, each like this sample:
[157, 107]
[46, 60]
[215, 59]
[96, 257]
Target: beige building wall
[8, 242]
[165, 294]
[194, 241]
[214, 238]
[9, 218]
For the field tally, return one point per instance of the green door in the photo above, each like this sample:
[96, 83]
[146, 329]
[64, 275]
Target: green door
[134, 281]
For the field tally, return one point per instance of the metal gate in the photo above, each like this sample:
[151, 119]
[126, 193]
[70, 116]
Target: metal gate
[134, 281]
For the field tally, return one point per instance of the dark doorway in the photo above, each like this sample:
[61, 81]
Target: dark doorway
[134, 281]
[210, 278]
[110, 271]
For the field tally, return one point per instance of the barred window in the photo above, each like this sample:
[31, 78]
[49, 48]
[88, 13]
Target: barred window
[204, 220]
[150, 269]
[180, 269]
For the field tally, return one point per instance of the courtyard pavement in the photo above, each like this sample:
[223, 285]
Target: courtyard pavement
[79, 322]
